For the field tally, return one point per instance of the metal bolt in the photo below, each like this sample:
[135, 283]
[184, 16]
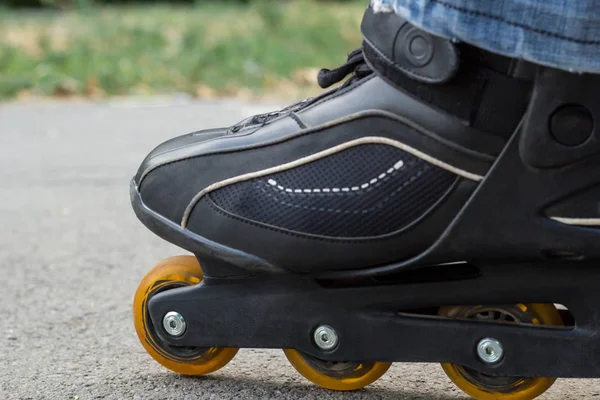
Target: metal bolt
[490, 350]
[326, 337]
[174, 323]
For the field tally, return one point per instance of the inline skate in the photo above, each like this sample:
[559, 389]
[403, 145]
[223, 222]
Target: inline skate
[440, 205]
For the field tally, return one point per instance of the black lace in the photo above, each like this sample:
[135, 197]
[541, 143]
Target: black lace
[355, 64]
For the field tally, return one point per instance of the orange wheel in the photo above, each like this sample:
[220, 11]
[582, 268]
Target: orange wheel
[487, 387]
[336, 375]
[171, 273]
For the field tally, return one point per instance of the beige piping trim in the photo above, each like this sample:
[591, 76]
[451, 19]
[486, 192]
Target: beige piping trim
[322, 154]
[578, 221]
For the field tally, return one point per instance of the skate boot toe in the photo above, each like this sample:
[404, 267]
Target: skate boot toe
[172, 149]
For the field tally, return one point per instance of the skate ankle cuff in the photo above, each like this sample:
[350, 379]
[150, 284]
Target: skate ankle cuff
[408, 49]
[485, 90]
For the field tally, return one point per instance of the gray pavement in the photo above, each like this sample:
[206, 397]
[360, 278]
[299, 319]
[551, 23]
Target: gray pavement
[72, 254]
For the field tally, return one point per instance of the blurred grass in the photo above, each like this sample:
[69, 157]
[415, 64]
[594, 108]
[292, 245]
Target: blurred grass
[210, 49]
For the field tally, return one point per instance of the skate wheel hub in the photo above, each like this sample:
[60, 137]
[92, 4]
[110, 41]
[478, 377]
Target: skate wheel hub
[174, 323]
[171, 274]
[490, 350]
[336, 375]
[325, 337]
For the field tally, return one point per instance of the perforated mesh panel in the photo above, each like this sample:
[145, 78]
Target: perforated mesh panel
[366, 190]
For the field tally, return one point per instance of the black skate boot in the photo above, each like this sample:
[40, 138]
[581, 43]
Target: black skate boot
[435, 207]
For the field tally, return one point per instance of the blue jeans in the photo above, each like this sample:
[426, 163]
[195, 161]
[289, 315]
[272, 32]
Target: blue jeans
[563, 34]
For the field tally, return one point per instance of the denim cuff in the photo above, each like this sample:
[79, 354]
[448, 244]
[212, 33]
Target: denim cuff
[555, 33]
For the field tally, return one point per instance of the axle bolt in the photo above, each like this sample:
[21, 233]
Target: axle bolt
[326, 337]
[174, 323]
[490, 350]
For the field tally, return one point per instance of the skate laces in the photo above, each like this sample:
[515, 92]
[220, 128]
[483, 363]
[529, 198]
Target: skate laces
[355, 64]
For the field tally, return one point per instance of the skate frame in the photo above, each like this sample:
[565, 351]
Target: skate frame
[510, 252]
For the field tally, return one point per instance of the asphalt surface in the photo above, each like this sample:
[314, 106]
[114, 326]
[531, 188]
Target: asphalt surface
[72, 254]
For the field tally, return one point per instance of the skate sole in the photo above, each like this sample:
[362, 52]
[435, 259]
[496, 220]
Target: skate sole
[175, 234]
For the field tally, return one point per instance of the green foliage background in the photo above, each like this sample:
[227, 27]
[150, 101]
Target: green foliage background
[205, 49]
[87, 3]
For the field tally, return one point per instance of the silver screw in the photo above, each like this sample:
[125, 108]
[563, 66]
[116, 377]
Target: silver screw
[325, 337]
[490, 350]
[174, 323]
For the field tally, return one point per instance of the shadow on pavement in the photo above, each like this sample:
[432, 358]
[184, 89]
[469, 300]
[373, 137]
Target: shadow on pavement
[255, 388]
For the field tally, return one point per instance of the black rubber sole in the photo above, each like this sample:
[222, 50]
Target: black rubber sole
[203, 248]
